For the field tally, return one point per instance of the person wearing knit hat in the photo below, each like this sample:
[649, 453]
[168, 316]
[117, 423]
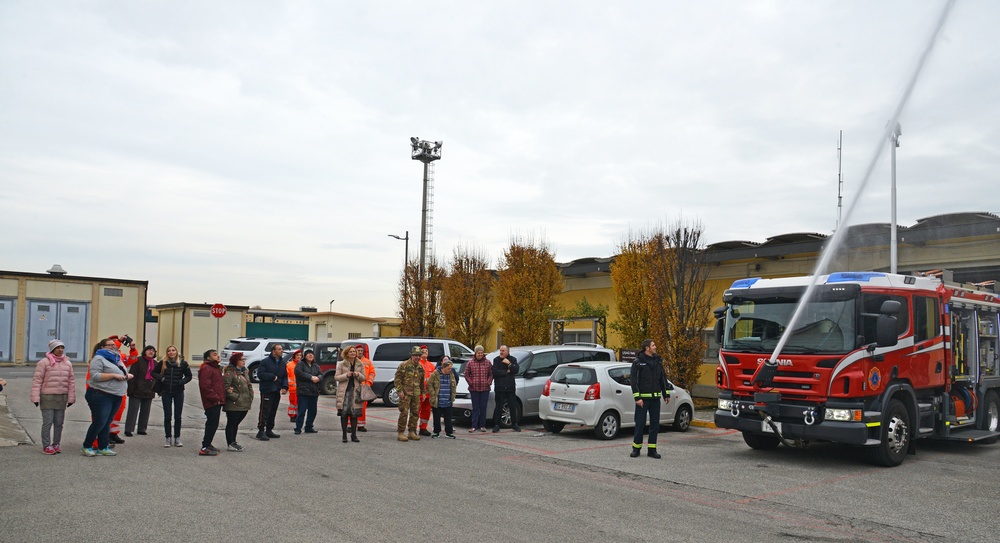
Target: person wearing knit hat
[53, 389]
[140, 392]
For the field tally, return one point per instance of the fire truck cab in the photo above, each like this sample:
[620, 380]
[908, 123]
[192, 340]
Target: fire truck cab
[875, 360]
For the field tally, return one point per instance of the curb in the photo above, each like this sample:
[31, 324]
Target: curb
[703, 423]
[11, 431]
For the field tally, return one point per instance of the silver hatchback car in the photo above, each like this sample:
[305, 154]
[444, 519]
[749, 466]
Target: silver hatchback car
[599, 395]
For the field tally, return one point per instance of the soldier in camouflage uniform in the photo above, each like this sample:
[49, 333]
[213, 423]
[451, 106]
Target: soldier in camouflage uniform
[409, 385]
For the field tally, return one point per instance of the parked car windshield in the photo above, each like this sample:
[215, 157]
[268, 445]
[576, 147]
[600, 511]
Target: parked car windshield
[241, 345]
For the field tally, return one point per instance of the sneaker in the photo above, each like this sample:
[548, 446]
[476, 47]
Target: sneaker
[49, 450]
[206, 451]
[496, 429]
[235, 447]
[170, 442]
[107, 452]
[315, 431]
[297, 432]
[214, 448]
[177, 442]
[452, 436]
[435, 434]
[484, 429]
[56, 448]
[262, 437]
[87, 451]
[472, 430]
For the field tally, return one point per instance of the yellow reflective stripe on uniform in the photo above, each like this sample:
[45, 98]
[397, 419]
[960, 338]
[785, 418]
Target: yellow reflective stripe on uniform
[646, 395]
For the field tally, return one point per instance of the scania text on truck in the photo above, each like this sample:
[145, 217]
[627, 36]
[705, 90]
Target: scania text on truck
[875, 360]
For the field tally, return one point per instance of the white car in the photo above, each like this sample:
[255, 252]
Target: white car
[599, 395]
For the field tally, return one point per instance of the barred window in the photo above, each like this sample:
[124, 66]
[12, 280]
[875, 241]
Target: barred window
[114, 292]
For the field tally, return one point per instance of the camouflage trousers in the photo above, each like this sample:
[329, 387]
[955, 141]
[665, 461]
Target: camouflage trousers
[409, 407]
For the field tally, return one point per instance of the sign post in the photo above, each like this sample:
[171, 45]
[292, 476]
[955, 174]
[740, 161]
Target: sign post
[218, 311]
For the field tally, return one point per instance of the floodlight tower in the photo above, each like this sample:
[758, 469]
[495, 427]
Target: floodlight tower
[426, 152]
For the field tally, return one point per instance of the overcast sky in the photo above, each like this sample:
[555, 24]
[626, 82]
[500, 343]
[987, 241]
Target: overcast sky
[257, 153]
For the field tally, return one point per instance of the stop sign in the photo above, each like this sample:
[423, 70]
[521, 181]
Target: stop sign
[218, 311]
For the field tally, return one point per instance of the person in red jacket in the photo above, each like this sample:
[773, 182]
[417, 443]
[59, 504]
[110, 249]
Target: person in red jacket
[425, 400]
[293, 396]
[127, 360]
[213, 397]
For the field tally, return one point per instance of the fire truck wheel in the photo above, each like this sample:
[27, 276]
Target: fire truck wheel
[895, 436]
[991, 415]
[761, 442]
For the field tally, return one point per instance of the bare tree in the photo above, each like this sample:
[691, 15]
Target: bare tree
[528, 282]
[419, 301]
[468, 296]
[679, 309]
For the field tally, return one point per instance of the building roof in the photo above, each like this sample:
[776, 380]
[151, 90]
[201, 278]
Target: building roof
[73, 278]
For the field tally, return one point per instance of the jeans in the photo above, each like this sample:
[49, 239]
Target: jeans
[212, 415]
[446, 413]
[510, 398]
[307, 412]
[176, 399]
[480, 400]
[651, 406]
[233, 420]
[102, 411]
[268, 409]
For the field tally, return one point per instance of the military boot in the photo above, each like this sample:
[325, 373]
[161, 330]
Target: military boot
[412, 436]
[401, 436]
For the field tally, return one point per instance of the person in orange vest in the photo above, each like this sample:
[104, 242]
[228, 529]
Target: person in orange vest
[127, 360]
[293, 398]
[425, 399]
[369, 380]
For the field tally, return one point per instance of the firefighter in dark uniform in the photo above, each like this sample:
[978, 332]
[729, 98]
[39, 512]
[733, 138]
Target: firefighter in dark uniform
[649, 384]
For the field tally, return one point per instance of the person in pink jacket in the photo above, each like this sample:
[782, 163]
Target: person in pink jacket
[53, 389]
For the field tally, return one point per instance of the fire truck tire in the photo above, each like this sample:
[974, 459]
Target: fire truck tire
[761, 442]
[991, 415]
[895, 436]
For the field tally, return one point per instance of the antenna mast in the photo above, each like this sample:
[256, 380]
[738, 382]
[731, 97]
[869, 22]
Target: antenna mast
[840, 177]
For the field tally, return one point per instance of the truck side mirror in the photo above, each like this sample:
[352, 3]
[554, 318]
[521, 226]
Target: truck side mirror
[720, 323]
[885, 329]
[890, 307]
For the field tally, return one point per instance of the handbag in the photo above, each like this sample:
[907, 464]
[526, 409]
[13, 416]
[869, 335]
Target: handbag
[366, 393]
[158, 383]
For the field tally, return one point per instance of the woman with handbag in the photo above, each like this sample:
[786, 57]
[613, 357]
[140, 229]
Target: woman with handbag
[307, 380]
[349, 376]
[141, 391]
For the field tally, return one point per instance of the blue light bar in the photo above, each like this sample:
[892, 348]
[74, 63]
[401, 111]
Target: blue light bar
[745, 283]
[853, 277]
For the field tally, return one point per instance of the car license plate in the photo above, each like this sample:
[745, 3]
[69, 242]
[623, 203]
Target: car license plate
[767, 427]
[567, 407]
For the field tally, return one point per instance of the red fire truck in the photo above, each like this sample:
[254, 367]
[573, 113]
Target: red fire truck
[875, 360]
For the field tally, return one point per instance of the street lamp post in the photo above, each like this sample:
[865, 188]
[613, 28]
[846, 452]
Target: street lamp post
[406, 264]
[894, 143]
[331, 305]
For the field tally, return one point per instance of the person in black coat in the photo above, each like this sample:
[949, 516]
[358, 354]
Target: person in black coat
[505, 368]
[307, 383]
[172, 373]
[273, 377]
[649, 385]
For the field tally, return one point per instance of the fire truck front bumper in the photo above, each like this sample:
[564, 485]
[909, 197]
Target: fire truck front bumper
[793, 422]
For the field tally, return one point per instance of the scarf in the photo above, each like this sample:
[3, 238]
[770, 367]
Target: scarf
[53, 359]
[110, 356]
[150, 364]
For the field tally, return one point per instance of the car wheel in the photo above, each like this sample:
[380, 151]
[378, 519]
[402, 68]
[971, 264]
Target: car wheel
[390, 397]
[682, 420]
[253, 372]
[507, 419]
[895, 436]
[328, 385]
[991, 415]
[608, 425]
[761, 442]
[553, 426]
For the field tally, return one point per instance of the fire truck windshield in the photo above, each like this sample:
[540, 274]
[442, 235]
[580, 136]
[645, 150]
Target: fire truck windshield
[756, 326]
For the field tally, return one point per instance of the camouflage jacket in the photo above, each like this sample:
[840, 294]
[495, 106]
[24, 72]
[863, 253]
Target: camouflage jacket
[410, 378]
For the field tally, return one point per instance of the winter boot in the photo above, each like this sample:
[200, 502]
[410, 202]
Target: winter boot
[401, 436]
[412, 436]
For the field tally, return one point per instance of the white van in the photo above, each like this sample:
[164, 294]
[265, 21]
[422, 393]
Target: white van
[388, 353]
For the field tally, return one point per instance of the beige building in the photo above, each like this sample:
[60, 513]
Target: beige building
[193, 330]
[330, 326]
[79, 311]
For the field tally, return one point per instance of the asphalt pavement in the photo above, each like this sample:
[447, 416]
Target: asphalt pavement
[527, 486]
